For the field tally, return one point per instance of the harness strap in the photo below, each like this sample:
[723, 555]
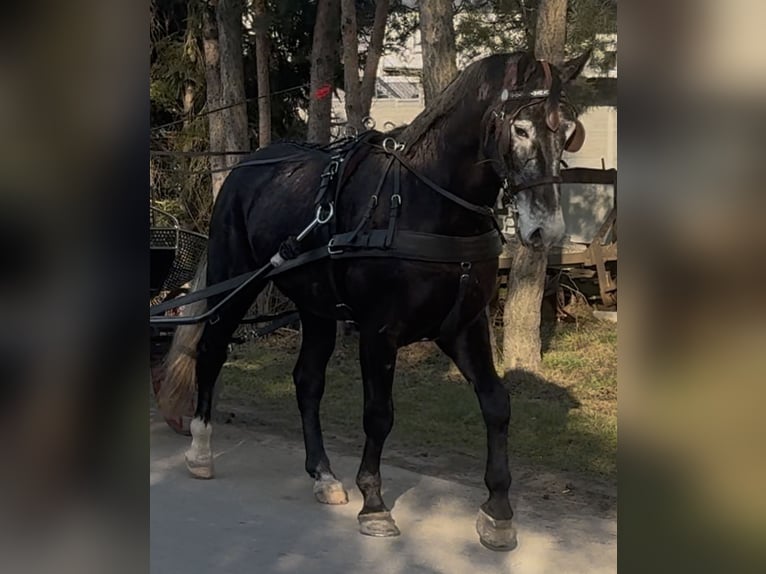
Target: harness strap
[449, 326]
[417, 246]
[537, 183]
[324, 179]
[480, 209]
[396, 204]
[374, 199]
[252, 162]
[201, 294]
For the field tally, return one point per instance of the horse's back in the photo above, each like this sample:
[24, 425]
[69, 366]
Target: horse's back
[261, 204]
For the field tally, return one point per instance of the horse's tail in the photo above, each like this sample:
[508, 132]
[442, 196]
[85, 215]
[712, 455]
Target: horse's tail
[178, 389]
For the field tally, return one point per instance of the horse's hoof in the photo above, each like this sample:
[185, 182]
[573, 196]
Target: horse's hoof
[379, 524]
[200, 467]
[329, 490]
[498, 535]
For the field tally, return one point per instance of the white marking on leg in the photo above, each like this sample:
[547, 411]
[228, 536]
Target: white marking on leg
[200, 452]
[329, 490]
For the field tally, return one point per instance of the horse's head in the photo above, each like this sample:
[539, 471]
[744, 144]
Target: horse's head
[526, 130]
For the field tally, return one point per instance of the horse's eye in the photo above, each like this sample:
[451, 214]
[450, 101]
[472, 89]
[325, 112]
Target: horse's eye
[521, 132]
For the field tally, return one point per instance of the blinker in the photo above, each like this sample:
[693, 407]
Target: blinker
[577, 139]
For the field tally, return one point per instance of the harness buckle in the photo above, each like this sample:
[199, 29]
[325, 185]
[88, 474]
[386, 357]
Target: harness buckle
[331, 169]
[390, 145]
[330, 248]
[396, 198]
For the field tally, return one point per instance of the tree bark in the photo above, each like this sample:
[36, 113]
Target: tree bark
[324, 55]
[232, 78]
[437, 36]
[351, 84]
[374, 52]
[216, 128]
[551, 33]
[349, 34]
[526, 278]
[521, 315]
[262, 56]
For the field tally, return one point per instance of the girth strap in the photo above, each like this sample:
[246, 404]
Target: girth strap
[449, 327]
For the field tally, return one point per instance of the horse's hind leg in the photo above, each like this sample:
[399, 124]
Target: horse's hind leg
[317, 345]
[377, 354]
[472, 353]
[211, 355]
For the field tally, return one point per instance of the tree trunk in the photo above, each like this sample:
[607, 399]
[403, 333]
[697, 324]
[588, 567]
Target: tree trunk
[232, 78]
[374, 52]
[324, 55]
[188, 143]
[351, 64]
[216, 129]
[526, 279]
[437, 35]
[521, 315]
[551, 33]
[262, 55]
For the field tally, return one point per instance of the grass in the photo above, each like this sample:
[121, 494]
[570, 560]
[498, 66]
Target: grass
[563, 419]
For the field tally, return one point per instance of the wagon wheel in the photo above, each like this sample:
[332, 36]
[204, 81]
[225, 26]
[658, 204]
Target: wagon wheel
[160, 346]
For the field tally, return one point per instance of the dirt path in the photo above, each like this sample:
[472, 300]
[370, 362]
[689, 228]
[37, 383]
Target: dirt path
[567, 492]
[259, 516]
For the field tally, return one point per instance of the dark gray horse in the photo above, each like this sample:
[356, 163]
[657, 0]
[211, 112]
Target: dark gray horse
[503, 123]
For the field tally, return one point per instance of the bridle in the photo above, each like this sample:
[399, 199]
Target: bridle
[501, 124]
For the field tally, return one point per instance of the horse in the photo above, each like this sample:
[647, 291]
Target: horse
[500, 125]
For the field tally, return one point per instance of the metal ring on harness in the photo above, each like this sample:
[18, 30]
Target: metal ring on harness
[330, 211]
[368, 123]
[393, 144]
[398, 199]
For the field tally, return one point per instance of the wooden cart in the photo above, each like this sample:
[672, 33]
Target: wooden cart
[587, 261]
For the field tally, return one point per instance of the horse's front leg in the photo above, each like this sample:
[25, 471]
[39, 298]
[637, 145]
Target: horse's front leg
[377, 354]
[472, 353]
[317, 346]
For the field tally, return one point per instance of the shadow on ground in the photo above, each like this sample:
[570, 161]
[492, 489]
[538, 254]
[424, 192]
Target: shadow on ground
[555, 450]
[259, 515]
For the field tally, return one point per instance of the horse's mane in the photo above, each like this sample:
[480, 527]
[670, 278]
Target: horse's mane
[487, 73]
[465, 85]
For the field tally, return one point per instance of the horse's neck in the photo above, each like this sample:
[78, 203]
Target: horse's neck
[451, 157]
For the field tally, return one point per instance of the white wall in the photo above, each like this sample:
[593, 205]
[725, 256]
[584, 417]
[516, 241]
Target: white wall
[600, 139]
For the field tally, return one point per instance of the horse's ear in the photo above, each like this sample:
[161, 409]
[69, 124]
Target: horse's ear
[572, 68]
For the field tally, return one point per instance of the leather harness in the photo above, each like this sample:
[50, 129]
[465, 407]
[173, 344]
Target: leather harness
[391, 242]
